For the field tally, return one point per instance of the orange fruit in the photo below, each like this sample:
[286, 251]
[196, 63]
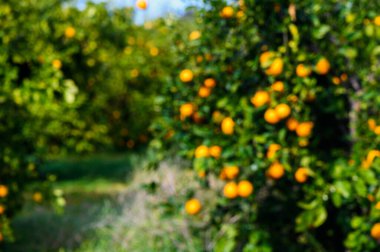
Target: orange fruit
[193, 206]
[275, 68]
[278, 86]
[142, 4]
[57, 64]
[217, 116]
[199, 59]
[204, 92]
[230, 190]
[323, 66]
[222, 175]
[70, 32]
[282, 110]
[276, 171]
[343, 76]
[245, 188]
[228, 126]
[197, 118]
[304, 129]
[371, 124]
[271, 116]
[375, 231]
[292, 124]
[37, 197]
[265, 57]
[201, 174]
[227, 12]
[376, 21]
[377, 130]
[240, 14]
[3, 191]
[372, 154]
[186, 75]
[2, 209]
[370, 198]
[301, 175]
[194, 35]
[303, 71]
[303, 142]
[209, 82]
[215, 151]
[273, 148]
[201, 152]
[154, 51]
[336, 80]
[231, 172]
[186, 110]
[377, 206]
[260, 98]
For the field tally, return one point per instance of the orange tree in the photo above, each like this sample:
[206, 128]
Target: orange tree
[279, 101]
[73, 81]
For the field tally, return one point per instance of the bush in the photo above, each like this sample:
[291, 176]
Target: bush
[283, 95]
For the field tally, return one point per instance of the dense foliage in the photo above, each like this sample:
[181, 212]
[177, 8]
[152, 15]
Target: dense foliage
[277, 104]
[72, 81]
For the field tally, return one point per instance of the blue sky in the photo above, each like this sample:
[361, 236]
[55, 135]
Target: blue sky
[156, 8]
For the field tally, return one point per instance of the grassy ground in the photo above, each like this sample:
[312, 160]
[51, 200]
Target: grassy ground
[91, 186]
[107, 209]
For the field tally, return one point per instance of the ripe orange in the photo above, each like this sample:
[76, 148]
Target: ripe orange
[193, 206]
[245, 188]
[201, 152]
[377, 130]
[3, 191]
[186, 110]
[57, 64]
[142, 4]
[265, 57]
[70, 32]
[282, 110]
[271, 116]
[260, 98]
[275, 68]
[230, 190]
[375, 231]
[194, 35]
[371, 124]
[303, 71]
[336, 80]
[204, 92]
[215, 151]
[231, 172]
[227, 12]
[377, 206]
[376, 21]
[228, 126]
[304, 129]
[37, 197]
[278, 86]
[276, 171]
[301, 175]
[201, 174]
[292, 124]
[209, 82]
[344, 77]
[154, 51]
[186, 75]
[323, 66]
[2, 209]
[273, 148]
